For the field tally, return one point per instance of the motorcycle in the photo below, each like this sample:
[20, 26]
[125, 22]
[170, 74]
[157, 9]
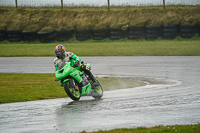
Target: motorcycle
[71, 76]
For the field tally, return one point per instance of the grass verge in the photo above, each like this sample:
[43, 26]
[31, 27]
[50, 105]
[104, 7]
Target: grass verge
[178, 47]
[157, 129]
[52, 18]
[16, 87]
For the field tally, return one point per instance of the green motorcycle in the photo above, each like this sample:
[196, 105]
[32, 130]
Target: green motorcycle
[71, 78]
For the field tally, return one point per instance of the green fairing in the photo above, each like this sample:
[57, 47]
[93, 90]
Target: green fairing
[68, 70]
[59, 73]
[76, 75]
[86, 90]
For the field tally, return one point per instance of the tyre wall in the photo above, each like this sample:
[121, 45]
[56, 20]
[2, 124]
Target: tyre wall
[154, 32]
[3, 35]
[64, 35]
[188, 31]
[117, 33]
[170, 31]
[29, 36]
[100, 34]
[47, 37]
[14, 35]
[83, 35]
[134, 33]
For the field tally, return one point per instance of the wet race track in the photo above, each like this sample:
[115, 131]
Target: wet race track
[174, 99]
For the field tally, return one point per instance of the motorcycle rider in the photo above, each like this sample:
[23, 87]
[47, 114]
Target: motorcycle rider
[63, 56]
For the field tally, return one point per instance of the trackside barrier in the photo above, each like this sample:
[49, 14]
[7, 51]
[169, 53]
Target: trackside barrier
[154, 32]
[100, 34]
[133, 33]
[170, 31]
[136, 33]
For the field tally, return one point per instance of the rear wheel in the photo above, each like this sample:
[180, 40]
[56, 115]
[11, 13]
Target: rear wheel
[98, 91]
[72, 89]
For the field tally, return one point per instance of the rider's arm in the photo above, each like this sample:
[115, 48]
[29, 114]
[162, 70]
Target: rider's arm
[76, 58]
[73, 58]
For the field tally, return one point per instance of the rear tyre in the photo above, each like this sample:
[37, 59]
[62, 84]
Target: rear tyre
[98, 91]
[72, 89]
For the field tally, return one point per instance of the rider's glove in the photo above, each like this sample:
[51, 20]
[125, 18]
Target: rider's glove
[76, 64]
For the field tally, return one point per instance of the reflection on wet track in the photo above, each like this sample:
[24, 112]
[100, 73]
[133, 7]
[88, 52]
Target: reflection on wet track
[174, 99]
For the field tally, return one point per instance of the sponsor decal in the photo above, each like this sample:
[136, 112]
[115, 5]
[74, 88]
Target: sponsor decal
[67, 69]
[87, 68]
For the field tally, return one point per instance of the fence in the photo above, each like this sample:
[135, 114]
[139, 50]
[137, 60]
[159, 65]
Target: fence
[97, 3]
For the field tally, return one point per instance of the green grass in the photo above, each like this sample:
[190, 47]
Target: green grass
[28, 87]
[157, 129]
[181, 47]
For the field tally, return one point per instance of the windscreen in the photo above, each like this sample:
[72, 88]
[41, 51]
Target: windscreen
[61, 64]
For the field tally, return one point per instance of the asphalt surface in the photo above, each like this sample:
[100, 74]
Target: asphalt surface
[173, 98]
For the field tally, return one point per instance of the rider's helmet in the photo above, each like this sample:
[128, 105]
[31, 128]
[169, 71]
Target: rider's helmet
[59, 51]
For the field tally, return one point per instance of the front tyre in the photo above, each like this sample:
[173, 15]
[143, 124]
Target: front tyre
[98, 91]
[72, 89]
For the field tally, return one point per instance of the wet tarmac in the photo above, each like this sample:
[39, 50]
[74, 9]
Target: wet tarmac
[173, 99]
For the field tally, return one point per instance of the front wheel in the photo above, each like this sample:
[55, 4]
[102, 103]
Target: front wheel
[98, 91]
[72, 89]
